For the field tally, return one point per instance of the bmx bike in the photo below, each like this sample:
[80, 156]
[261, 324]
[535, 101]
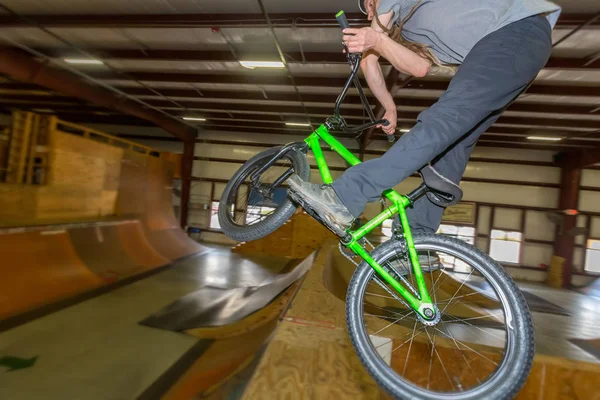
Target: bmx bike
[429, 316]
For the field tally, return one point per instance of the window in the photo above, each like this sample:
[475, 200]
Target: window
[464, 233]
[505, 246]
[592, 256]
[214, 216]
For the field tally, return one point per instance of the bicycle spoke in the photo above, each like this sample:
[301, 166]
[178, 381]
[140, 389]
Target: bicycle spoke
[462, 353]
[459, 297]
[392, 339]
[380, 295]
[387, 326]
[431, 273]
[409, 348]
[409, 339]
[385, 309]
[430, 358]
[392, 323]
[480, 317]
[476, 327]
[474, 351]
[439, 358]
[457, 290]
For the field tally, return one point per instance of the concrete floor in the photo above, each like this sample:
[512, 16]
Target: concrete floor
[553, 331]
[98, 350]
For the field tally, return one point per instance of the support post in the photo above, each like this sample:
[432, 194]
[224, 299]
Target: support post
[187, 163]
[564, 243]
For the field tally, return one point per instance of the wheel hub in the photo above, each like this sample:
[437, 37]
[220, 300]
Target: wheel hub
[431, 315]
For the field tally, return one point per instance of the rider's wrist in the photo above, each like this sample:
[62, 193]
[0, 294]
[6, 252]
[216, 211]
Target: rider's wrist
[378, 42]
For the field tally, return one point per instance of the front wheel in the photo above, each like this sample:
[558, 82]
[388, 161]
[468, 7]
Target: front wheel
[481, 347]
[253, 207]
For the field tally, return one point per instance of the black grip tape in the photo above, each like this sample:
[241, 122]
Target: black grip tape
[342, 20]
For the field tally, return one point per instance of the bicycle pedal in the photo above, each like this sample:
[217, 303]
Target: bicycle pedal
[309, 210]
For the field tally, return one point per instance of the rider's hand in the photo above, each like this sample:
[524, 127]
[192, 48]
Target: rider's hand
[361, 40]
[392, 117]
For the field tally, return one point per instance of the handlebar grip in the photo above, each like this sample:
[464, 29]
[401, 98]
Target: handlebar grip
[391, 138]
[342, 20]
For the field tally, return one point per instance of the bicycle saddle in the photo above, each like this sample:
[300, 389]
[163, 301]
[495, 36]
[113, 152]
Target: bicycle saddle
[442, 191]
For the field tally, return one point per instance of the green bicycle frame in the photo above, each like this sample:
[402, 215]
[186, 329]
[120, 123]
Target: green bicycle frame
[399, 204]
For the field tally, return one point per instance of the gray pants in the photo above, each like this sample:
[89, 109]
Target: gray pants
[496, 71]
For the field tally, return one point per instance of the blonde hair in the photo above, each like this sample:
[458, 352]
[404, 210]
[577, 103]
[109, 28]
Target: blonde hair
[395, 33]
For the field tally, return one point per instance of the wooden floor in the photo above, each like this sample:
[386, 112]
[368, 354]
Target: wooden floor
[311, 357]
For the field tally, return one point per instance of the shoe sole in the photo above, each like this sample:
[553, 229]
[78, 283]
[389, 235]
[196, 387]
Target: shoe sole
[325, 220]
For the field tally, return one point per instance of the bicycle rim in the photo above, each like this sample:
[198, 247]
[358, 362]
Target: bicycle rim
[467, 351]
[253, 202]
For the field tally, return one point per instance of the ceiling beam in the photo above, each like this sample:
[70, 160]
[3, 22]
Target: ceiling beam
[195, 98]
[559, 63]
[293, 112]
[280, 78]
[504, 142]
[265, 122]
[221, 20]
[28, 69]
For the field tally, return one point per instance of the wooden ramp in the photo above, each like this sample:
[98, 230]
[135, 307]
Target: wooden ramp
[299, 237]
[311, 357]
[103, 215]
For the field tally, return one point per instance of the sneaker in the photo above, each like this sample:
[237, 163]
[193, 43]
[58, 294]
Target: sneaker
[323, 201]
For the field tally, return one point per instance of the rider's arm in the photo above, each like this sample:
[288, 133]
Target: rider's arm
[372, 70]
[376, 81]
[403, 59]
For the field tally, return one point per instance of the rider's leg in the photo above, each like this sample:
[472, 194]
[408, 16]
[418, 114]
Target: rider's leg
[424, 216]
[496, 70]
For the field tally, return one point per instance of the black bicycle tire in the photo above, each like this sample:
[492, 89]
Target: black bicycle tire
[281, 214]
[504, 386]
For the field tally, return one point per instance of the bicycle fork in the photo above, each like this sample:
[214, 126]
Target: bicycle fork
[422, 303]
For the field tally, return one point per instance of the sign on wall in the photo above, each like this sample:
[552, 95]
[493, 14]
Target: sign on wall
[463, 213]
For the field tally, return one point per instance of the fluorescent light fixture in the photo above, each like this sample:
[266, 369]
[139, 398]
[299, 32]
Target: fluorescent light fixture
[404, 130]
[296, 124]
[545, 138]
[194, 119]
[262, 64]
[88, 61]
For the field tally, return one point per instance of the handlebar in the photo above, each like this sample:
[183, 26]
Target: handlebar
[354, 60]
[391, 138]
[342, 20]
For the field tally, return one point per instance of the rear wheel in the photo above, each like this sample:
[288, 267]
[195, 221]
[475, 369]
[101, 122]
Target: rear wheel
[482, 345]
[251, 209]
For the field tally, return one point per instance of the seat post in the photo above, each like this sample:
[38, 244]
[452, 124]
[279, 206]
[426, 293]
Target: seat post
[417, 193]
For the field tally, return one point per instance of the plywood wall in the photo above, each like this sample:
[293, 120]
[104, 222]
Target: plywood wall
[83, 181]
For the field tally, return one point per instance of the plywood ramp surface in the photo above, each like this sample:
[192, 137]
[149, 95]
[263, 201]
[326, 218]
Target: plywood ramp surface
[297, 238]
[38, 267]
[138, 247]
[62, 261]
[311, 357]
